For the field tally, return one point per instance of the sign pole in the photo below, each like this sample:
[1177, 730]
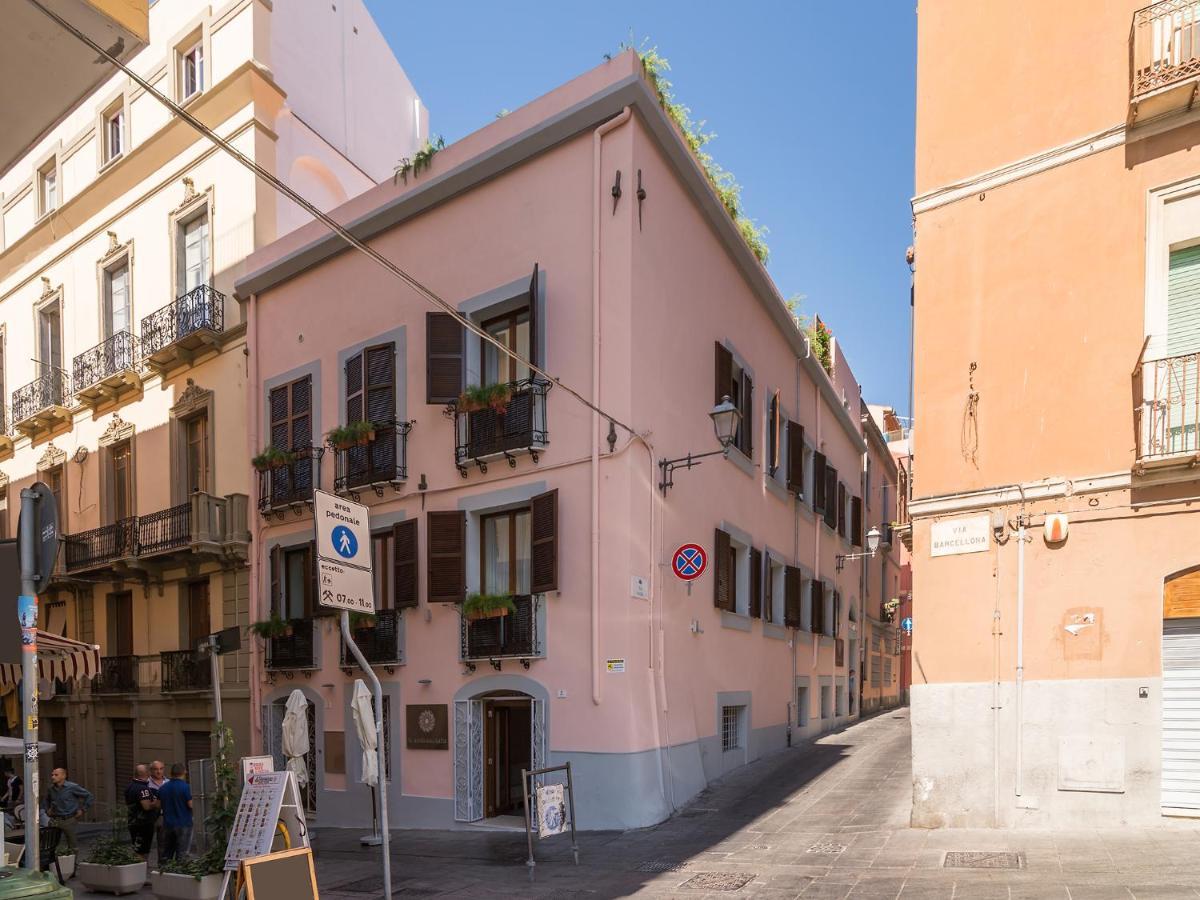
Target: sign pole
[27, 613]
[214, 661]
[380, 750]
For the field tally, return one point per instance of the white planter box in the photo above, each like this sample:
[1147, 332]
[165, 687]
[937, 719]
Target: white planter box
[67, 865]
[114, 879]
[169, 886]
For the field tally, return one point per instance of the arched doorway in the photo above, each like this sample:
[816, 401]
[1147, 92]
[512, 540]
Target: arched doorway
[496, 734]
[273, 714]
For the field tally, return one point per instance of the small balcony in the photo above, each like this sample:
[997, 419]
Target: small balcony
[1164, 60]
[118, 675]
[185, 670]
[290, 486]
[491, 433]
[175, 334]
[107, 371]
[296, 650]
[1167, 411]
[6, 438]
[102, 547]
[43, 405]
[513, 635]
[375, 465]
[381, 642]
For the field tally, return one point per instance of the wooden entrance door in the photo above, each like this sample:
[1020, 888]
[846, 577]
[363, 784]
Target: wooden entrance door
[507, 750]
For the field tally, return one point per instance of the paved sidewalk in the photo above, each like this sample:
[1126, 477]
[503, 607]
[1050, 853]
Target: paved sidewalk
[826, 820]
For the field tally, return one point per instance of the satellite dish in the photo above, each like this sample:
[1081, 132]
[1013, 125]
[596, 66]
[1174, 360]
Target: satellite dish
[81, 455]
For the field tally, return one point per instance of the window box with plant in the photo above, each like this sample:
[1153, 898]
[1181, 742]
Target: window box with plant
[356, 434]
[272, 458]
[488, 396]
[112, 865]
[274, 627]
[488, 606]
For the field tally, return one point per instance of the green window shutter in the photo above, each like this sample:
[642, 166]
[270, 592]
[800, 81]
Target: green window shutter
[1183, 302]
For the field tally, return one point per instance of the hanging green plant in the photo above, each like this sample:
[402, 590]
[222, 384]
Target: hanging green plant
[478, 397]
[359, 620]
[272, 458]
[420, 160]
[274, 627]
[487, 606]
[355, 434]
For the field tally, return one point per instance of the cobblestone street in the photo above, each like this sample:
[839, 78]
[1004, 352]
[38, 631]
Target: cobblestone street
[826, 820]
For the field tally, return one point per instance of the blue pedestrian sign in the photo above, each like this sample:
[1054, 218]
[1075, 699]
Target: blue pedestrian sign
[906, 624]
[343, 532]
[344, 542]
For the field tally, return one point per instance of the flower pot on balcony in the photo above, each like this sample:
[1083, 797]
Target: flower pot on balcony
[487, 606]
[127, 879]
[172, 886]
[486, 614]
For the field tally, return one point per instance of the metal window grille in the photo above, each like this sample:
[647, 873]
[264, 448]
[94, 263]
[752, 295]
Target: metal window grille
[731, 727]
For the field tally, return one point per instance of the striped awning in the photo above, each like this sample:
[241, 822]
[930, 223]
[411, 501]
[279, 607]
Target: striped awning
[58, 658]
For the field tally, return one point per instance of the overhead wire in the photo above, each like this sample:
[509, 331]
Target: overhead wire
[330, 223]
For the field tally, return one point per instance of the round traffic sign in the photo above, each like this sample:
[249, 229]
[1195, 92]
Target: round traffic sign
[689, 562]
[344, 542]
[906, 624]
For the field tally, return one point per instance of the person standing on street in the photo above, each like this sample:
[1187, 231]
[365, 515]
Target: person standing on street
[158, 777]
[176, 799]
[65, 804]
[142, 806]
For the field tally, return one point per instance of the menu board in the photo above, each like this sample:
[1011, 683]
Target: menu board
[266, 798]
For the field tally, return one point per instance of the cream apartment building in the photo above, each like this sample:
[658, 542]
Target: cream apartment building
[1057, 321]
[123, 353]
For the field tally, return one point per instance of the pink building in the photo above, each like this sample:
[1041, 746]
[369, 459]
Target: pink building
[648, 303]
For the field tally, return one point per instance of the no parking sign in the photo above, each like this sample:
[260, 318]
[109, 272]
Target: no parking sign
[689, 562]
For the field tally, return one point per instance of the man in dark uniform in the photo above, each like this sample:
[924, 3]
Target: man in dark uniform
[141, 801]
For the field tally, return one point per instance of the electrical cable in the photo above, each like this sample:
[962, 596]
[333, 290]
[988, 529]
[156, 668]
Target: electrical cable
[320, 216]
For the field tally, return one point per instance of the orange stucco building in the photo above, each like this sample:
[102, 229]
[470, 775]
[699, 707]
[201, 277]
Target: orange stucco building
[1057, 324]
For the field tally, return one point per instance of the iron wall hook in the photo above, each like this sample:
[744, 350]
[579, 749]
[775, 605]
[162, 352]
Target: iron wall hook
[641, 195]
[616, 191]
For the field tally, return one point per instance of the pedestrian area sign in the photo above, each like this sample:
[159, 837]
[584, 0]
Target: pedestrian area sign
[343, 553]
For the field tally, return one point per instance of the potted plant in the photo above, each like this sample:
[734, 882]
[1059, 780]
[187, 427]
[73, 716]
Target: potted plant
[356, 434]
[479, 397]
[274, 627]
[487, 606]
[112, 865]
[200, 878]
[362, 620]
[272, 458]
[889, 609]
[66, 862]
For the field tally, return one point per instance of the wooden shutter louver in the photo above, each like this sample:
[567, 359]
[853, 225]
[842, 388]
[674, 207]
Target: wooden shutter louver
[795, 458]
[446, 563]
[841, 509]
[276, 579]
[354, 388]
[837, 614]
[534, 356]
[792, 583]
[543, 528]
[819, 482]
[856, 521]
[756, 583]
[723, 595]
[747, 426]
[444, 338]
[818, 607]
[773, 436]
[724, 373]
[831, 496]
[404, 564]
[380, 383]
[278, 403]
[301, 431]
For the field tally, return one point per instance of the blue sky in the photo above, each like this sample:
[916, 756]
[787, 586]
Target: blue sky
[812, 106]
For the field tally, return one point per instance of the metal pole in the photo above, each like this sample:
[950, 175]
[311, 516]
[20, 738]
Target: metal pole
[1020, 648]
[377, 690]
[27, 614]
[215, 663]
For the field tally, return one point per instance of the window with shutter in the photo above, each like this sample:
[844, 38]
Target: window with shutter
[773, 435]
[404, 563]
[724, 373]
[819, 482]
[756, 583]
[746, 423]
[276, 580]
[795, 458]
[544, 541]
[818, 607]
[791, 597]
[856, 521]
[723, 573]
[446, 564]
[1183, 302]
[831, 496]
[841, 509]
[836, 625]
[444, 338]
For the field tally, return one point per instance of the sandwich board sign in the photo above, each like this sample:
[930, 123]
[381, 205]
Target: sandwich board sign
[268, 798]
[343, 533]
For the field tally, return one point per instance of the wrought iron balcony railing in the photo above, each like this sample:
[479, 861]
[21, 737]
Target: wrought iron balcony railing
[49, 390]
[381, 642]
[503, 636]
[118, 675]
[293, 483]
[185, 670]
[102, 546]
[520, 425]
[1166, 46]
[1167, 409]
[107, 359]
[202, 309]
[295, 650]
[167, 529]
[377, 463]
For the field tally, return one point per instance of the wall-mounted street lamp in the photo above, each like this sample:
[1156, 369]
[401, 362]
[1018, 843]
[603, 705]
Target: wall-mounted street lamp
[725, 418]
[872, 546]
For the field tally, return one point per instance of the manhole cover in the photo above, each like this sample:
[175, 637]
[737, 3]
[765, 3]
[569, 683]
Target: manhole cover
[717, 881]
[826, 847]
[982, 859]
[662, 865]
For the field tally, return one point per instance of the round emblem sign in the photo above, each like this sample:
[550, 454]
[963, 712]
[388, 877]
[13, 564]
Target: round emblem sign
[689, 562]
[426, 721]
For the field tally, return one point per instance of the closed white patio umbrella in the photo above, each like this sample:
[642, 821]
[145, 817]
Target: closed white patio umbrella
[295, 736]
[363, 709]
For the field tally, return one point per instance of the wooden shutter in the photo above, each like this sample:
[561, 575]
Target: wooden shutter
[837, 614]
[756, 583]
[856, 523]
[354, 388]
[724, 373]
[312, 598]
[773, 436]
[841, 509]
[444, 338]
[543, 528]
[276, 579]
[404, 564]
[747, 415]
[831, 496]
[446, 537]
[819, 482]
[792, 583]
[534, 356]
[818, 607]
[795, 457]
[379, 369]
[723, 596]
[1183, 304]
[278, 406]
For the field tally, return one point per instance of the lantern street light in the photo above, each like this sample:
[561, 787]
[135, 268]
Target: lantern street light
[725, 418]
[872, 546]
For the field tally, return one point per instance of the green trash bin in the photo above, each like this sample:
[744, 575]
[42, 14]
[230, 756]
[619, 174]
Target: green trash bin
[20, 883]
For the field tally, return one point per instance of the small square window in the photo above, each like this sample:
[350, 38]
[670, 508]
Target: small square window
[731, 727]
[114, 133]
[48, 189]
[191, 71]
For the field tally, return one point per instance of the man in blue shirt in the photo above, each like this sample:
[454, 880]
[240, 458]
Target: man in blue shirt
[176, 799]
